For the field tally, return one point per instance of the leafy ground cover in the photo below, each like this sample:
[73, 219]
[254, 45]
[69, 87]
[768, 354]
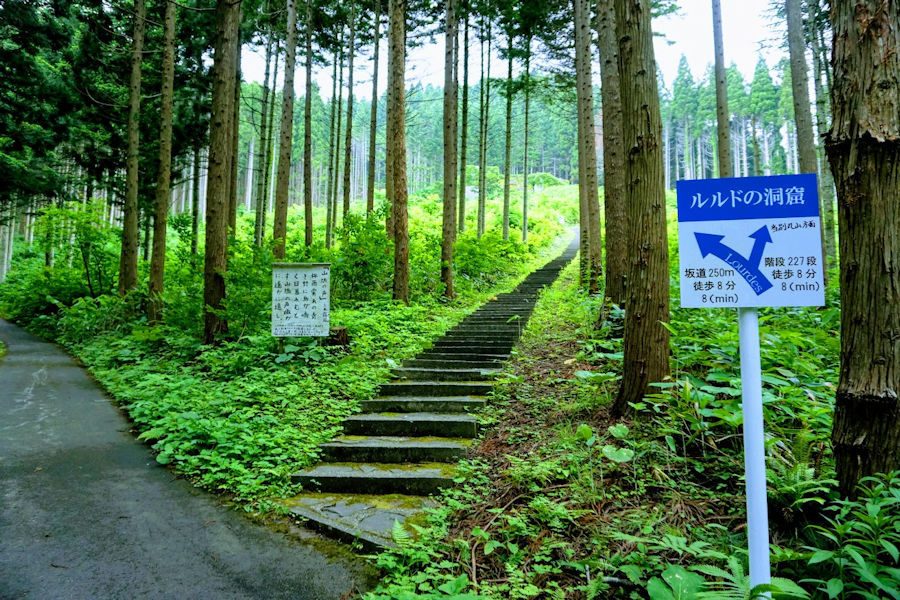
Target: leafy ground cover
[562, 501]
[240, 416]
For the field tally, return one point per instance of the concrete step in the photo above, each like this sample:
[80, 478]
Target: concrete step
[391, 449]
[427, 363]
[412, 424]
[376, 478]
[471, 349]
[435, 389]
[411, 404]
[364, 519]
[424, 374]
[472, 356]
[488, 336]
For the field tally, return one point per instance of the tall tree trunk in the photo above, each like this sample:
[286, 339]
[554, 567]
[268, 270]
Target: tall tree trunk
[587, 149]
[806, 146]
[396, 125]
[268, 175]
[646, 349]
[373, 118]
[337, 139]
[279, 221]
[723, 117]
[329, 214]
[448, 230]
[525, 140]
[128, 258]
[258, 233]
[224, 74]
[826, 180]
[613, 154]
[163, 179]
[307, 134]
[482, 142]
[864, 149]
[349, 138]
[195, 202]
[508, 144]
[464, 135]
[235, 131]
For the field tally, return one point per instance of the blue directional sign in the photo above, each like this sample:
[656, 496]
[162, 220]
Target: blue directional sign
[750, 241]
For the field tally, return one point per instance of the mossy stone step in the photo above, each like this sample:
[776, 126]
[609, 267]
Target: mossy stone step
[391, 449]
[435, 389]
[472, 356]
[376, 478]
[438, 363]
[425, 374]
[412, 424]
[478, 334]
[355, 518]
[447, 404]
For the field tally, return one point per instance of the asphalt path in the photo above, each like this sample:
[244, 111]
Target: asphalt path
[86, 512]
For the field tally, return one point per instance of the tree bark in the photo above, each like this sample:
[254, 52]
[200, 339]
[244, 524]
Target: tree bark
[646, 351]
[164, 176]
[349, 137]
[279, 221]
[329, 214]
[224, 78]
[258, 233]
[587, 149]
[613, 154]
[448, 230]
[826, 180]
[307, 134]
[268, 175]
[864, 149]
[525, 140]
[483, 143]
[464, 136]
[508, 141]
[337, 140]
[235, 131]
[128, 258]
[396, 116]
[373, 119]
[195, 202]
[723, 117]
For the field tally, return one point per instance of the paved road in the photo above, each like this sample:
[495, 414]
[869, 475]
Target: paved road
[85, 511]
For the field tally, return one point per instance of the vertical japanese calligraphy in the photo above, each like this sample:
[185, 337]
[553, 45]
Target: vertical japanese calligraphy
[301, 299]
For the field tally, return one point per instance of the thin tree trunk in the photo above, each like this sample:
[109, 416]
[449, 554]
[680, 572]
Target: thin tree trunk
[329, 218]
[258, 232]
[235, 131]
[396, 115]
[373, 118]
[224, 78]
[349, 138]
[270, 151]
[128, 258]
[448, 230]
[163, 180]
[587, 150]
[723, 117]
[307, 134]
[864, 149]
[195, 202]
[525, 140]
[646, 348]
[337, 140]
[508, 144]
[464, 136]
[279, 221]
[826, 181]
[613, 154]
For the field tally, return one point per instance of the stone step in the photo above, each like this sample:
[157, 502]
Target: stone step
[471, 349]
[376, 478]
[394, 449]
[412, 424]
[364, 519]
[473, 356]
[427, 363]
[435, 389]
[487, 336]
[424, 374]
[410, 404]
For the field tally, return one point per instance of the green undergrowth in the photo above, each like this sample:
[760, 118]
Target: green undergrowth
[563, 501]
[240, 416]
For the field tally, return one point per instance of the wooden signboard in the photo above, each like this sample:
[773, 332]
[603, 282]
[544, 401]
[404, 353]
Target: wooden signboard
[301, 299]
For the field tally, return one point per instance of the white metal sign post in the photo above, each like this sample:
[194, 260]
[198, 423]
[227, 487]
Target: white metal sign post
[745, 243]
[301, 299]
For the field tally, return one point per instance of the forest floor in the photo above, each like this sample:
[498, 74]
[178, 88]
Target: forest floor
[86, 511]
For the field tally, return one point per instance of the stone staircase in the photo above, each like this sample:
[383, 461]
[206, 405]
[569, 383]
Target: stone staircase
[405, 443]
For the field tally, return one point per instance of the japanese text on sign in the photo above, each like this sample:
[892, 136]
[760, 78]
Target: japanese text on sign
[753, 241]
[301, 299]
